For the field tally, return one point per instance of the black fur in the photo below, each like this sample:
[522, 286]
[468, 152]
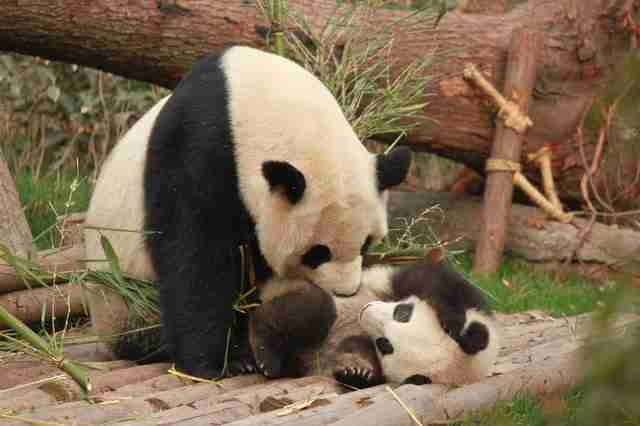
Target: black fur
[284, 177]
[392, 168]
[450, 294]
[475, 338]
[316, 256]
[193, 206]
[417, 379]
[284, 326]
[384, 346]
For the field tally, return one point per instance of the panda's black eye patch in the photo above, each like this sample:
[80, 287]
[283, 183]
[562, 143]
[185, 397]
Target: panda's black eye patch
[403, 312]
[384, 346]
[316, 256]
[365, 246]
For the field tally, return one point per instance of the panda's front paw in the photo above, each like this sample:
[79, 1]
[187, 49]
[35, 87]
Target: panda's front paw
[245, 365]
[357, 377]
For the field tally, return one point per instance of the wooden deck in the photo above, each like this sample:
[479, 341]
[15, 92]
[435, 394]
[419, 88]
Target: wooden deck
[536, 350]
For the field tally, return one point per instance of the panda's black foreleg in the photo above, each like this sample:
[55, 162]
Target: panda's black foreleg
[241, 360]
[197, 304]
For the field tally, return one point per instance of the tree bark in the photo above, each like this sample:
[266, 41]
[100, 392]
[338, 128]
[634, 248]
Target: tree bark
[507, 145]
[158, 41]
[530, 234]
[64, 259]
[14, 229]
[58, 301]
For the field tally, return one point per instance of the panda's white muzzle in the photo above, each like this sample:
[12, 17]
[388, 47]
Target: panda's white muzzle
[374, 315]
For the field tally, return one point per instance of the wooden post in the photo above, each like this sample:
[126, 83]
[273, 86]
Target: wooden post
[519, 82]
[14, 230]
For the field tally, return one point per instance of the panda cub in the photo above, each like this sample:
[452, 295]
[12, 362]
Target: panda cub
[417, 324]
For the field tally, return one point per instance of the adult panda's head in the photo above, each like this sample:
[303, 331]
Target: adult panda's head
[431, 325]
[317, 196]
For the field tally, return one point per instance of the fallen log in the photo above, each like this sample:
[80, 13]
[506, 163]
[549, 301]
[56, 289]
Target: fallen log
[232, 406]
[66, 390]
[57, 301]
[159, 41]
[21, 369]
[529, 234]
[63, 259]
[550, 376]
[338, 408]
[111, 410]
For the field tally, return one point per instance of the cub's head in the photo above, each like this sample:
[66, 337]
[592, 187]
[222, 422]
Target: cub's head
[318, 220]
[434, 326]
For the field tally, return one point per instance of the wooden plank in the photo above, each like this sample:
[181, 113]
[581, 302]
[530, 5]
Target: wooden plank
[123, 408]
[337, 409]
[431, 406]
[19, 368]
[242, 403]
[64, 389]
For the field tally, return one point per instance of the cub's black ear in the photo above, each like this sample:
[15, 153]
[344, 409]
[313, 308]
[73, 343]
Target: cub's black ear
[475, 338]
[284, 178]
[417, 379]
[392, 168]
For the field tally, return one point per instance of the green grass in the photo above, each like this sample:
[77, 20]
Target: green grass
[526, 410]
[516, 288]
[46, 198]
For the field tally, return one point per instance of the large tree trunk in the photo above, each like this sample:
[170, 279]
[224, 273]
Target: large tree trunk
[15, 234]
[157, 42]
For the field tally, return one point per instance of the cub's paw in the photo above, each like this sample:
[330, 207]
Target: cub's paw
[357, 377]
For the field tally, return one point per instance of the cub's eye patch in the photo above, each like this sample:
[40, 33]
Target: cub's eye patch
[384, 346]
[316, 256]
[402, 312]
[365, 246]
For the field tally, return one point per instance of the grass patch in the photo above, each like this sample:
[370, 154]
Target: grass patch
[45, 198]
[527, 410]
[515, 288]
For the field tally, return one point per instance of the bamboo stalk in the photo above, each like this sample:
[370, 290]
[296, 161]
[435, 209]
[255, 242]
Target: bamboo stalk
[521, 182]
[77, 372]
[543, 158]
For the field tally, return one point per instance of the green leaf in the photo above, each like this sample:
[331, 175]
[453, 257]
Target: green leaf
[111, 257]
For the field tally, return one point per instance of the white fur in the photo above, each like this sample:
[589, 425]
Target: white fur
[422, 347]
[377, 280]
[279, 111]
[282, 112]
[117, 202]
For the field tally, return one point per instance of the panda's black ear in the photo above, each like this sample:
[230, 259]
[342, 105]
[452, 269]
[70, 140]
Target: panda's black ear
[284, 178]
[392, 168]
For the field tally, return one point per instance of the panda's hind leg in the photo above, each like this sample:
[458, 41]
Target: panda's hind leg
[287, 324]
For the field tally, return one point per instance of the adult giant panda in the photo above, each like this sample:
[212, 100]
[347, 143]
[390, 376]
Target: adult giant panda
[251, 156]
[420, 323]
